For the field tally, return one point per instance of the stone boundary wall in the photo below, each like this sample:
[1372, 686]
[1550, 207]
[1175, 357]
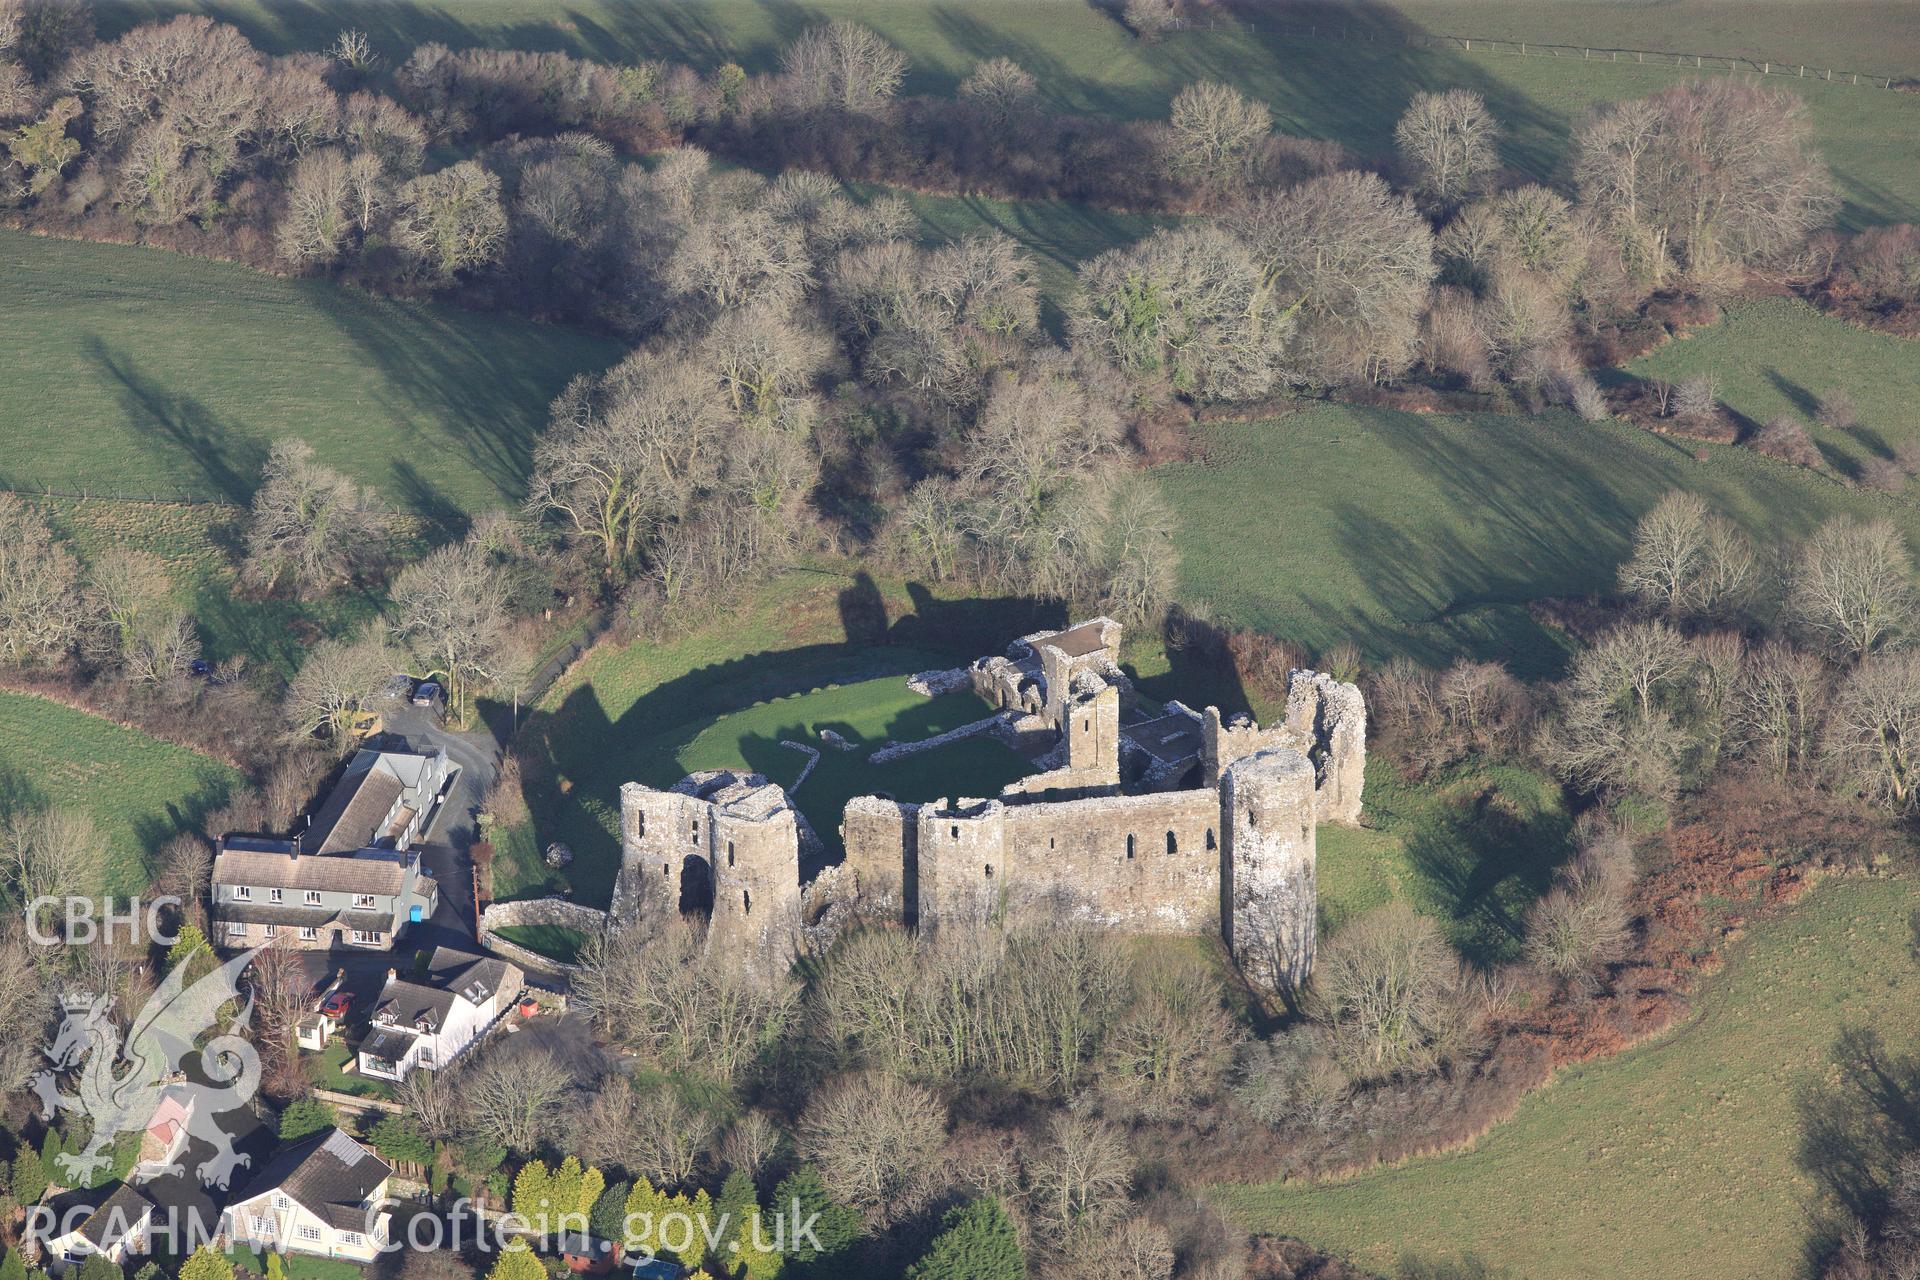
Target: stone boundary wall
[534, 911]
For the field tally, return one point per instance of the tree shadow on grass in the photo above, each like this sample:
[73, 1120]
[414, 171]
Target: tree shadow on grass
[1856, 1122]
[172, 424]
[1482, 852]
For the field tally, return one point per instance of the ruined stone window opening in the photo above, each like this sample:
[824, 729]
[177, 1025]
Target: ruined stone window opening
[954, 831]
[664, 871]
[1129, 846]
[989, 871]
[1173, 845]
[696, 831]
[1210, 843]
[746, 902]
[729, 853]
[640, 824]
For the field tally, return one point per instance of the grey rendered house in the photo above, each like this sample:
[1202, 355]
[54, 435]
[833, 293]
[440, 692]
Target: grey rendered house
[352, 879]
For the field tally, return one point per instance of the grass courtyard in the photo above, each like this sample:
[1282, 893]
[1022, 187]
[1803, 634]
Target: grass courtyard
[1715, 1151]
[140, 792]
[819, 648]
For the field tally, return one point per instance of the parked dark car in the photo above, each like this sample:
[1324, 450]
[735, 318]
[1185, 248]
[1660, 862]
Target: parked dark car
[429, 694]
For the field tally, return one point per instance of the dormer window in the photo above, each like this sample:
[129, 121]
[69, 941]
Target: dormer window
[363, 901]
[275, 895]
[313, 897]
[243, 893]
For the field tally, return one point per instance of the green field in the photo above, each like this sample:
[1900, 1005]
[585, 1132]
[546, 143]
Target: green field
[1688, 1156]
[1780, 356]
[1348, 90]
[140, 792]
[136, 372]
[1427, 534]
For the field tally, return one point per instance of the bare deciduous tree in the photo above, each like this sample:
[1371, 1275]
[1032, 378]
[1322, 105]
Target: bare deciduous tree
[1355, 261]
[451, 611]
[1714, 173]
[1450, 141]
[877, 1142]
[514, 1094]
[320, 207]
[451, 220]
[49, 853]
[1873, 736]
[1687, 561]
[1778, 707]
[1190, 304]
[1213, 128]
[1852, 586]
[310, 526]
[335, 682]
[845, 66]
[1000, 87]
[1080, 1176]
[39, 589]
[1391, 987]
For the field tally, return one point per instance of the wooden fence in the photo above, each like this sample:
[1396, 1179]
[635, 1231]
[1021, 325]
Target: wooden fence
[1715, 62]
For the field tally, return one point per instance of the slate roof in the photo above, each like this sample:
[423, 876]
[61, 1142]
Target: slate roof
[389, 1043]
[451, 975]
[383, 874]
[354, 814]
[115, 1214]
[329, 1174]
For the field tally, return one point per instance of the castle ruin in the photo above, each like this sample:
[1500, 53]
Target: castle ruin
[1139, 817]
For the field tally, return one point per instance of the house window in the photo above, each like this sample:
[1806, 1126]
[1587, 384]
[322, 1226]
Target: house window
[236, 928]
[281, 1202]
[308, 933]
[275, 895]
[310, 1234]
[273, 931]
[313, 897]
[350, 1237]
[262, 1228]
[363, 901]
[243, 893]
[366, 938]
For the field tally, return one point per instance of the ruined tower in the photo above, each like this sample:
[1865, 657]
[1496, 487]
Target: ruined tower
[1268, 899]
[724, 842]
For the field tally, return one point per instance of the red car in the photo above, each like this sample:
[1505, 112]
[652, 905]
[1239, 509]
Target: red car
[337, 1004]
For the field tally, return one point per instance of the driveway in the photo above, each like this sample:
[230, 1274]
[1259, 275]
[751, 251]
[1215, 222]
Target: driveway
[447, 844]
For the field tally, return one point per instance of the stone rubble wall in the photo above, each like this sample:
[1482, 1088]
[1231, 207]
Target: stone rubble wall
[555, 912]
[899, 750]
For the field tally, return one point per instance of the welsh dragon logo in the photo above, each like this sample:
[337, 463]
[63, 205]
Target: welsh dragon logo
[121, 1085]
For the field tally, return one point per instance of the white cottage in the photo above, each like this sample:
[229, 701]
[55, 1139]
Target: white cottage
[430, 1022]
[74, 1224]
[323, 1196]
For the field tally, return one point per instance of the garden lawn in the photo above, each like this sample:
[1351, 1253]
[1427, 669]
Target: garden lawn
[556, 942]
[140, 792]
[1693, 1155]
[138, 372]
[1780, 356]
[1351, 91]
[1427, 534]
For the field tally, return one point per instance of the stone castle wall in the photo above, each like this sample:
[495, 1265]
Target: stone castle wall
[1235, 854]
